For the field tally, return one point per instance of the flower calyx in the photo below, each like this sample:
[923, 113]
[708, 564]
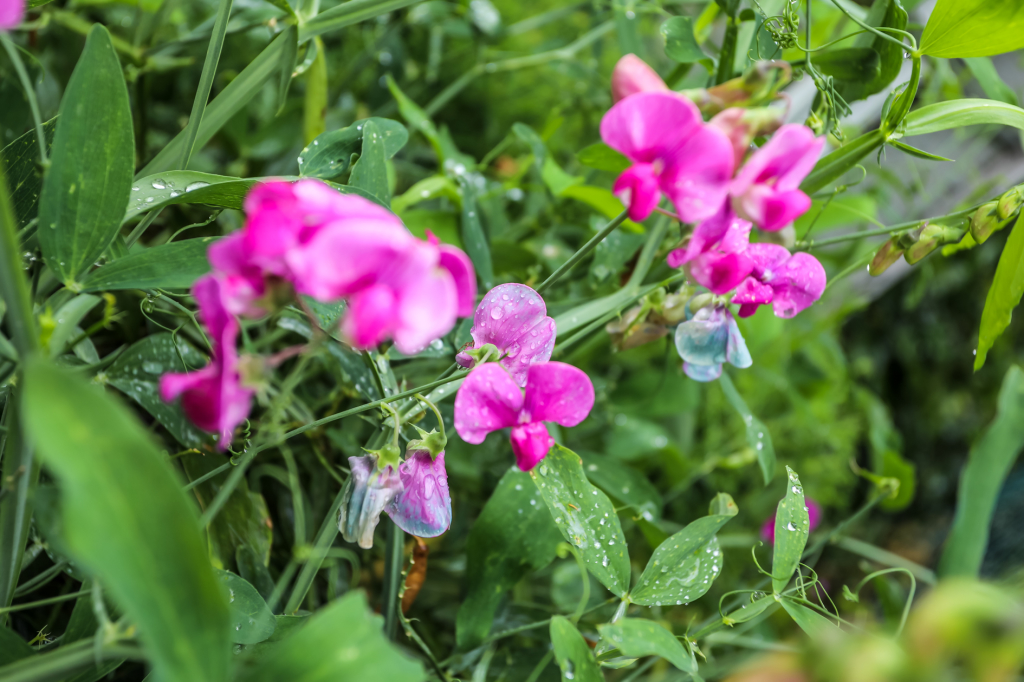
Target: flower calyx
[485, 353]
[431, 441]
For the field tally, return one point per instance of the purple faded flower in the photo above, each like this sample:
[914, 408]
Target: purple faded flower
[813, 519]
[790, 283]
[12, 13]
[766, 190]
[708, 340]
[367, 492]
[673, 153]
[632, 75]
[213, 397]
[424, 506]
[513, 318]
[490, 399]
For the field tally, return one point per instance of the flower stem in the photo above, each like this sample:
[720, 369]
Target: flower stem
[30, 95]
[392, 578]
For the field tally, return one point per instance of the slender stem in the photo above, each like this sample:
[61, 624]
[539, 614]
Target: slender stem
[324, 538]
[137, 231]
[41, 579]
[727, 55]
[886, 558]
[393, 554]
[43, 602]
[14, 288]
[872, 29]
[67, 659]
[583, 251]
[898, 227]
[541, 665]
[220, 25]
[30, 95]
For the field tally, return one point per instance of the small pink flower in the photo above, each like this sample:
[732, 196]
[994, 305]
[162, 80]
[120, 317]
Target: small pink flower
[766, 190]
[490, 399]
[512, 317]
[12, 13]
[213, 397]
[673, 153]
[424, 506]
[632, 75]
[790, 283]
[813, 519]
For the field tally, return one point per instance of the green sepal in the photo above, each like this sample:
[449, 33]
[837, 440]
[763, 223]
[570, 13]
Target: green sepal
[388, 455]
[485, 353]
[431, 441]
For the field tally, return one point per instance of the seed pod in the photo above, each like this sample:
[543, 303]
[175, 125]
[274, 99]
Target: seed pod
[985, 221]
[888, 254]
[1010, 203]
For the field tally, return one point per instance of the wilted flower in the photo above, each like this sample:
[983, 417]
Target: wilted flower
[766, 190]
[789, 283]
[709, 339]
[490, 399]
[813, 519]
[213, 397]
[632, 75]
[673, 153]
[12, 13]
[373, 485]
[514, 319]
[424, 506]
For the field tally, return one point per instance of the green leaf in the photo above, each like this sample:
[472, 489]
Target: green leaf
[572, 654]
[371, 170]
[12, 647]
[127, 520]
[330, 154]
[883, 14]
[1004, 295]
[499, 552]
[251, 618]
[20, 161]
[851, 64]
[154, 192]
[680, 43]
[973, 28]
[625, 484]
[585, 516]
[137, 372]
[556, 178]
[758, 437]
[752, 610]
[960, 113]
[636, 637]
[809, 620]
[792, 526]
[602, 157]
[415, 116]
[342, 641]
[919, 153]
[832, 166]
[91, 167]
[473, 237]
[990, 81]
[68, 317]
[683, 567]
[289, 53]
[990, 460]
[169, 266]
[533, 140]
[348, 13]
[429, 188]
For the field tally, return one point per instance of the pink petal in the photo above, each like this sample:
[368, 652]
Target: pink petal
[426, 310]
[274, 219]
[209, 294]
[771, 210]
[242, 282]
[798, 283]
[632, 75]
[12, 13]
[637, 188]
[460, 266]
[370, 317]
[752, 292]
[514, 318]
[696, 177]
[650, 125]
[557, 392]
[706, 236]
[783, 162]
[173, 385]
[720, 273]
[424, 506]
[766, 258]
[530, 444]
[730, 122]
[488, 400]
[748, 309]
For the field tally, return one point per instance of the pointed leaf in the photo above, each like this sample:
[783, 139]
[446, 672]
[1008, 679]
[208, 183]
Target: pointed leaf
[919, 153]
[1004, 295]
[473, 236]
[809, 620]
[602, 157]
[572, 654]
[20, 161]
[636, 637]
[959, 113]
[792, 525]
[289, 52]
[758, 437]
[251, 619]
[330, 154]
[973, 28]
[371, 170]
[169, 266]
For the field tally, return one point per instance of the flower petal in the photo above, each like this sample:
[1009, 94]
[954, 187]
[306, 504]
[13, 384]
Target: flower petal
[720, 273]
[785, 160]
[650, 125]
[632, 75]
[752, 292]
[767, 259]
[696, 177]
[426, 311]
[637, 189]
[424, 507]
[370, 317]
[12, 13]
[530, 444]
[736, 353]
[799, 282]
[703, 340]
[703, 373]
[488, 400]
[456, 262]
[367, 492]
[558, 392]
[514, 318]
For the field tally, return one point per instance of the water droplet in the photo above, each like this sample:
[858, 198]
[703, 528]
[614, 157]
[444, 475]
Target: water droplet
[496, 313]
[193, 186]
[159, 184]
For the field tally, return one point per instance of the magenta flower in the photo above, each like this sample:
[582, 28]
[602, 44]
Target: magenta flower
[368, 491]
[513, 318]
[673, 153]
[789, 283]
[490, 399]
[632, 75]
[213, 397]
[12, 13]
[766, 190]
[423, 507]
[813, 519]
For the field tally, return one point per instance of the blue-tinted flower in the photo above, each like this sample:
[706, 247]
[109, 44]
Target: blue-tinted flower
[423, 507]
[367, 492]
[710, 338]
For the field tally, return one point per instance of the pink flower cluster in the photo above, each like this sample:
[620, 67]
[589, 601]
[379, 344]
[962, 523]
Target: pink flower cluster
[523, 390]
[12, 13]
[307, 238]
[700, 168]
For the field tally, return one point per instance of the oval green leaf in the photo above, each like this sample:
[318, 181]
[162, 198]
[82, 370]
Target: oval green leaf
[959, 113]
[572, 654]
[251, 619]
[973, 28]
[636, 637]
[330, 154]
[792, 525]
[169, 266]
[370, 173]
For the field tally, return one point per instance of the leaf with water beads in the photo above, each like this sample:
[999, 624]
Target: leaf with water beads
[636, 637]
[572, 652]
[585, 516]
[792, 525]
[252, 620]
[683, 567]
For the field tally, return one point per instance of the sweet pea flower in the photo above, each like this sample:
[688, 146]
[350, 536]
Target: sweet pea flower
[514, 319]
[789, 283]
[766, 190]
[367, 492]
[632, 75]
[673, 153]
[12, 13]
[813, 519]
[716, 252]
[424, 506]
[490, 399]
[213, 397]
[709, 339]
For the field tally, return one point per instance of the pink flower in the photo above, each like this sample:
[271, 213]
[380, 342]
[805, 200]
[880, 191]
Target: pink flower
[766, 189]
[490, 399]
[12, 13]
[716, 252]
[741, 126]
[424, 507]
[813, 519]
[632, 75]
[789, 283]
[213, 397]
[514, 319]
[673, 153]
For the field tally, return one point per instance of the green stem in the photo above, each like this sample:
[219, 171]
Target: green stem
[220, 25]
[43, 602]
[583, 251]
[898, 227]
[876, 31]
[66, 660]
[30, 95]
[886, 558]
[324, 538]
[541, 665]
[393, 554]
[727, 55]
[41, 579]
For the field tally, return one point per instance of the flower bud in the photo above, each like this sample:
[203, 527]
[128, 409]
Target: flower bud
[630, 331]
[985, 221]
[367, 492]
[888, 254]
[700, 301]
[930, 238]
[1010, 203]
[632, 75]
[758, 84]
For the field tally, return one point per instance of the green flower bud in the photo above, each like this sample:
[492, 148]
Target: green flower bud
[930, 238]
[886, 256]
[1010, 203]
[701, 301]
[985, 221]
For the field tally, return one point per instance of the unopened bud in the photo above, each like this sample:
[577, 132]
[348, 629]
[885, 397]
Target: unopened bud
[1010, 203]
[931, 237]
[632, 75]
[758, 84]
[701, 301]
[985, 221]
[886, 256]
